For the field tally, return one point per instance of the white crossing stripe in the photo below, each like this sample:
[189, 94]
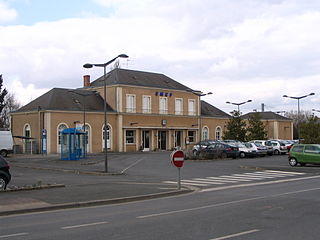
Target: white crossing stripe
[235, 178]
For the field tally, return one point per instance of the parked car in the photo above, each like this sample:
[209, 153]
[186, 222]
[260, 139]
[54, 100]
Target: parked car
[202, 144]
[246, 150]
[304, 153]
[279, 147]
[259, 149]
[6, 142]
[218, 150]
[265, 143]
[5, 175]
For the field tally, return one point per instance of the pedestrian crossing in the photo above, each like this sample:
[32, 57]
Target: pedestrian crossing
[236, 178]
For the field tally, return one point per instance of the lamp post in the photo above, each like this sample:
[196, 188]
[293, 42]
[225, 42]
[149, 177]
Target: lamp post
[104, 65]
[315, 110]
[238, 104]
[298, 98]
[200, 94]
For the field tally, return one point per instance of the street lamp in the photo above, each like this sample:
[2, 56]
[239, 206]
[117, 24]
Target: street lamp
[238, 104]
[200, 94]
[298, 98]
[104, 65]
[315, 110]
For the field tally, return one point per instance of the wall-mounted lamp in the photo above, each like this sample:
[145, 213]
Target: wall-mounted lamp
[133, 123]
[194, 125]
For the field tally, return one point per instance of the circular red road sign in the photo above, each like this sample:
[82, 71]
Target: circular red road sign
[177, 158]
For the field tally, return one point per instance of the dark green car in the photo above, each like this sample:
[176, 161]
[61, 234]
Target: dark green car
[304, 153]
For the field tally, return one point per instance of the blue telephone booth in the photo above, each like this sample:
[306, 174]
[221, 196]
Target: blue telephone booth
[72, 147]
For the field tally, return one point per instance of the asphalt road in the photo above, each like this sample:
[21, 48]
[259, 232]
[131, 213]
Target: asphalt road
[258, 198]
[288, 210]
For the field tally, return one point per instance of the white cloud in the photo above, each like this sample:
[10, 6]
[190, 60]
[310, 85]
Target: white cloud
[236, 49]
[7, 14]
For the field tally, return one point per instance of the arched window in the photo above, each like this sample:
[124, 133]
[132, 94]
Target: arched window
[61, 127]
[218, 133]
[27, 130]
[205, 133]
[109, 137]
[88, 137]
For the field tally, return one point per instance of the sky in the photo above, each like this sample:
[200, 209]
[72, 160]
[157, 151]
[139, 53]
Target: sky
[236, 49]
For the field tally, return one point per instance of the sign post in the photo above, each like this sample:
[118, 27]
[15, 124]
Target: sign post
[177, 159]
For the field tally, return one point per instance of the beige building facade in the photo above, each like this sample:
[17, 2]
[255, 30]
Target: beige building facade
[145, 112]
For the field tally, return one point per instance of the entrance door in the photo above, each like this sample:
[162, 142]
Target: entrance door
[162, 140]
[146, 140]
[177, 139]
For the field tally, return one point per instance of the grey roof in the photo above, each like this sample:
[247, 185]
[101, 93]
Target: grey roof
[67, 99]
[138, 78]
[266, 116]
[207, 110]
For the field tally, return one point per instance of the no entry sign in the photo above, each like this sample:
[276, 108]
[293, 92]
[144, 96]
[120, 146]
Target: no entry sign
[177, 158]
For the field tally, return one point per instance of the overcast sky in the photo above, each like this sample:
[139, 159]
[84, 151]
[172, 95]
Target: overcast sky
[236, 49]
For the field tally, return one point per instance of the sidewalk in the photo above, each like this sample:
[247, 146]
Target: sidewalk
[84, 184]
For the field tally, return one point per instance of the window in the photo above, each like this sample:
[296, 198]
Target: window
[298, 148]
[179, 106]
[130, 136]
[163, 105]
[146, 104]
[205, 133]
[218, 133]
[131, 103]
[27, 131]
[108, 132]
[192, 136]
[311, 149]
[60, 129]
[191, 107]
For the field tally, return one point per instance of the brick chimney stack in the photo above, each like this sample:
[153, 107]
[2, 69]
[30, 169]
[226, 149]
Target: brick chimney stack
[86, 81]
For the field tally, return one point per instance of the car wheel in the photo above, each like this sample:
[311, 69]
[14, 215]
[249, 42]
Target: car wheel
[242, 155]
[3, 153]
[293, 162]
[276, 152]
[3, 183]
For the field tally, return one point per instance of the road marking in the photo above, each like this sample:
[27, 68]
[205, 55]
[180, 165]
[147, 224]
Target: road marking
[133, 164]
[296, 173]
[226, 203]
[235, 178]
[258, 184]
[199, 208]
[236, 234]
[14, 235]
[83, 225]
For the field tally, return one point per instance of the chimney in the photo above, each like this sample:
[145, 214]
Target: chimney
[86, 81]
[262, 107]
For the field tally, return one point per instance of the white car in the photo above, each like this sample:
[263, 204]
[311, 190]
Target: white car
[279, 147]
[246, 150]
[265, 143]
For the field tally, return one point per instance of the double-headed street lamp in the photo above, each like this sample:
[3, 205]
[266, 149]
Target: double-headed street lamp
[104, 65]
[315, 110]
[298, 98]
[200, 94]
[238, 104]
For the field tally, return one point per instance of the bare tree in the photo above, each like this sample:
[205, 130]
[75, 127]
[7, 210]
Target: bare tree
[303, 117]
[10, 105]
[3, 94]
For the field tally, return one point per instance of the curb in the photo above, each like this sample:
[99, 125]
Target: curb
[31, 187]
[69, 171]
[96, 202]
